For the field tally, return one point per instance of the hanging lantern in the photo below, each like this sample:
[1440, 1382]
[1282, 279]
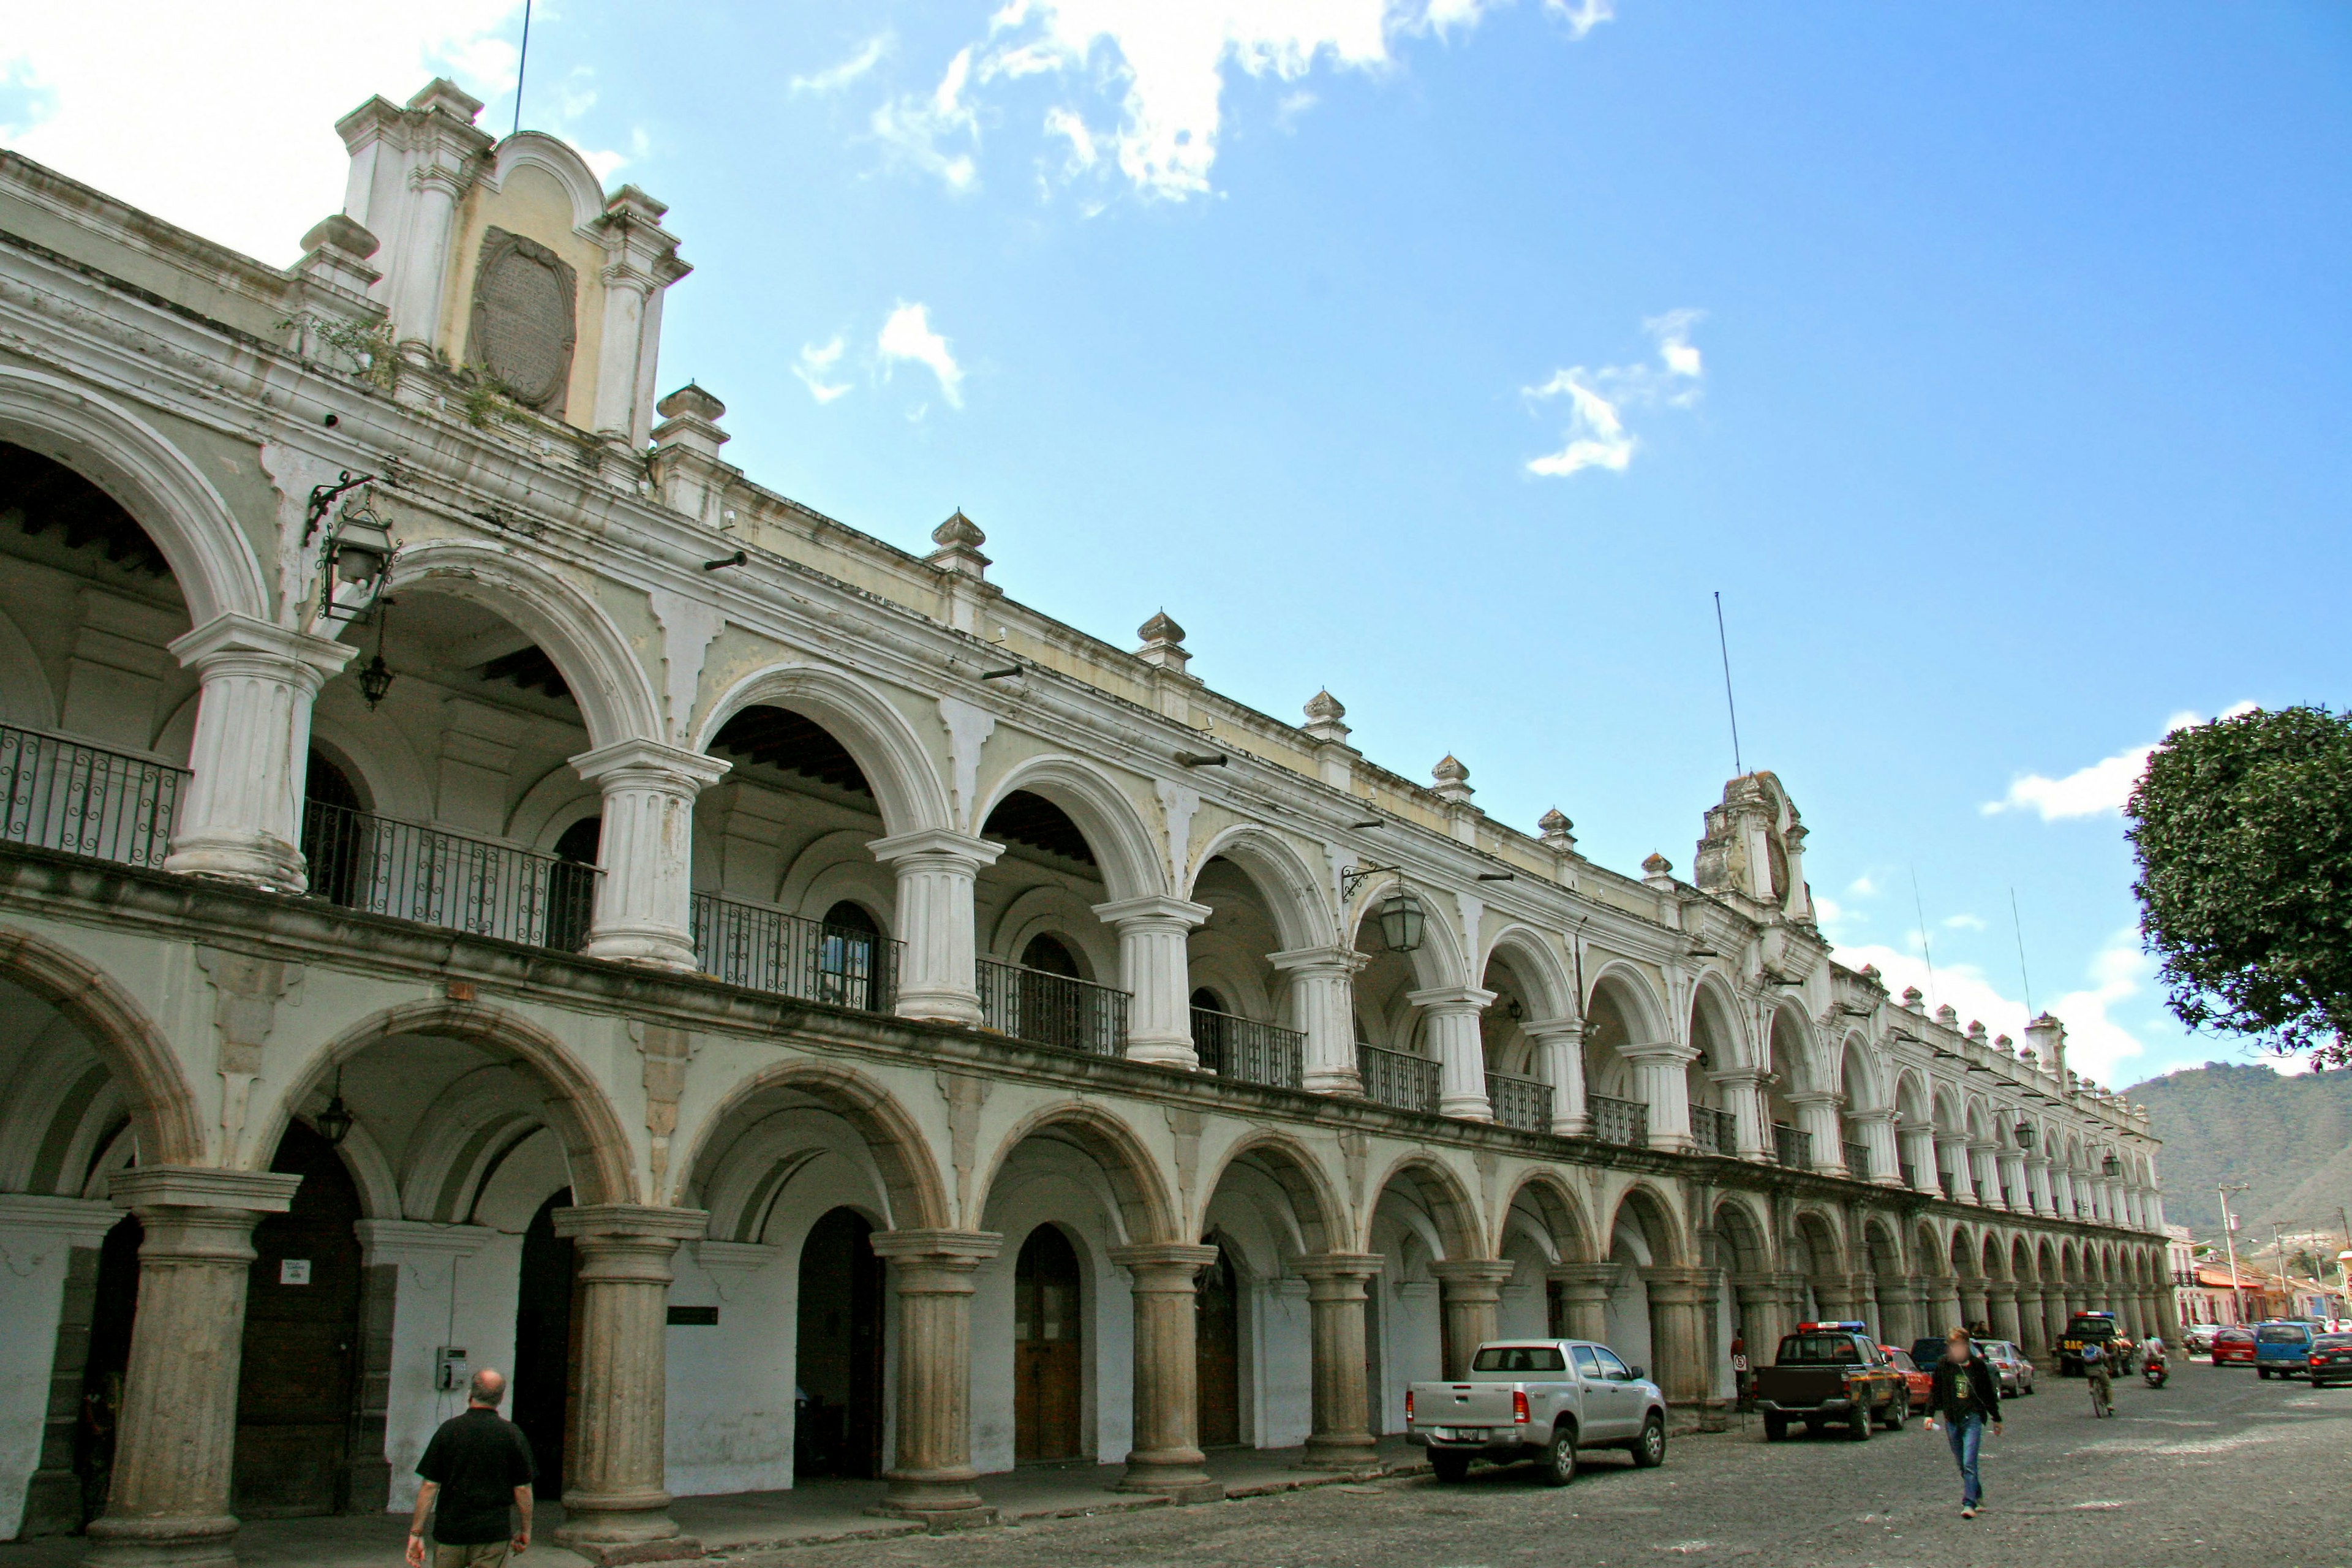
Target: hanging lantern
[375, 679]
[1402, 921]
[2025, 1135]
[334, 1123]
[2111, 1166]
[355, 561]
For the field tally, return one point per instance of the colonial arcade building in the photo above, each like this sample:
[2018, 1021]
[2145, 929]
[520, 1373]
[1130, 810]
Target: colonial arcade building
[487, 883]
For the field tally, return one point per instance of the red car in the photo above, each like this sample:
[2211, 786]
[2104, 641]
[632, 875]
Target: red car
[2234, 1346]
[1920, 1383]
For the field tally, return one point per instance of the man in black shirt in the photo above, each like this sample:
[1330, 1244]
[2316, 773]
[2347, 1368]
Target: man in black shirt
[1965, 1394]
[476, 1464]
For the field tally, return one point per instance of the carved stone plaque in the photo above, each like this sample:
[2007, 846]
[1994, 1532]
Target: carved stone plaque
[524, 326]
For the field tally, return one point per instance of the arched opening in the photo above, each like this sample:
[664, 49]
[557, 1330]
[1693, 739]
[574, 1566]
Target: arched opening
[1217, 1351]
[1268, 1209]
[1515, 1085]
[1422, 1217]
[115, 1308]
[1048, 1342]
[1714, 1120]
[572, 884]
[838, 1410]
[1049, 967]
[544, 1333]
[332, 852]
[1613, 1095]
[1244, 1022]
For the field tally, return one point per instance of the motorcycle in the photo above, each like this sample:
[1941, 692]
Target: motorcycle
[2153, 1373]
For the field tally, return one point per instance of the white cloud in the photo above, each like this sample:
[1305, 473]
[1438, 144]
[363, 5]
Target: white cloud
[1862, 887]
[840, 74]
[107, 88]
[1596, 436]
[907, 335]
[2098, 790]
[814, 367]
[1964, 923]
[1582, 15]
[1066, 124]
[915, 127]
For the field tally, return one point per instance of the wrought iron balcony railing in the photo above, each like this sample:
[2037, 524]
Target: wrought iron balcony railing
[1521, 1102]
[85, 800]
[1625, 1122]
[1857, 1160]
[1792, 1146]
[1910, 1175]
[768, 950]
[398, 868]
[1714, 1131]
[1052, 1009]
[1244, 1048]
[1944, 1178]
[1397, 1077]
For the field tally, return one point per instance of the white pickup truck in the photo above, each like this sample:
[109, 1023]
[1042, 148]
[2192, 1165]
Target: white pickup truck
[1541, 1400]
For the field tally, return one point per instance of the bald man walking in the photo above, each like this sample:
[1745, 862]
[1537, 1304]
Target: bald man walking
[475, 1464]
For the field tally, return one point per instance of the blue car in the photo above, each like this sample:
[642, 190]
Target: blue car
[2283, 1349]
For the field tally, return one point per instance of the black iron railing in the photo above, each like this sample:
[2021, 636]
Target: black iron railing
[1244, 1048]
[1521, 1102]
[1397, 1077]
[1857, 1160]
[768, 950]
[1792, 1146]
[1714, 1131]
[412, 873]
[85, 800]
[1625, 1122]
[1910, 1175]
[1052, 1009]
[1944, 1180]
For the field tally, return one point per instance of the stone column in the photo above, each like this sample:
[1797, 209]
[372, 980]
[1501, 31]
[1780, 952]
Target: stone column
[1342, 1436]
[1453, 1012]
[1167, 1457]
[1677, 1297]
[2037, 1184]
[1659, 1082]
[433, 211]
[241, 818]
[2009, 1169]
[2001, 1303]
[1472, 1303]
[1323, 1007]
[1877, 1128]
[1156, 970]
[1817, 1118]
[2030, 1336]
[1763, 1316]
[644, 899]
[1584, 1290]
[1743, 1096]
[1952, 1154]
[1985, 1162]
[1919, 1152]
[1898, 1301]
[938, 977]
[1559, 1059]
[615, 1453]
[176, 1437]
[930, 1478]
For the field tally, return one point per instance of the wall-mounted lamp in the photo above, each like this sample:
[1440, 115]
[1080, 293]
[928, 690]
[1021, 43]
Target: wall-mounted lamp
[1402, 920]
[375, 679]
[334, 1123]
[2025, 1135]
[355, 560]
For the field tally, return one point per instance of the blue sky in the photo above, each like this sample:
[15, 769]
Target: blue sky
[1992, 362]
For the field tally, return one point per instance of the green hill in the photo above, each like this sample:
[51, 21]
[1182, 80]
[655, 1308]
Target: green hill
[2287, 1135]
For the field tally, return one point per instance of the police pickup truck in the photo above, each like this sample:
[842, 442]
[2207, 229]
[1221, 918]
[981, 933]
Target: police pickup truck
[2098, 1326]
[1832, 1375]
[1537, 1399]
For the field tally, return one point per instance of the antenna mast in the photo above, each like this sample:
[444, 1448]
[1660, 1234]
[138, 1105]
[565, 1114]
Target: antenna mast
[522, 59]
[1738, 769]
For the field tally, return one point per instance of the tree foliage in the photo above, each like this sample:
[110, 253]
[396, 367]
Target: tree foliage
[2243, 830]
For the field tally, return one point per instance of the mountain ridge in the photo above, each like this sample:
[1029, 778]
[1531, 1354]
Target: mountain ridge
[2288, 1136]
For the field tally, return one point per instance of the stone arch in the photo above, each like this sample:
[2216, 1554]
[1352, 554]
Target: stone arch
[164, 489]
[1993, 1263]
[1540, 971]
[1745, 1234]
[1549, 1193]
[1861, 1076]
[1125, 846]
[1652, 1215]
[1293, 894]
[1912, 1100]
[1442, 957]
[595, 1143]
[909, 793]
[1451, 1210]
[616, 700]
[1145, 1207]
[1800, 1062]
[1824, 1239]
[1294, 1168]
[1716, 1004]
[909, 1170]
[559, 160]
[1883, 1248]
[1636, 1000]
[162, 1105]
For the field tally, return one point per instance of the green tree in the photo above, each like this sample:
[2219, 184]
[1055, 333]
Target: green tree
[2243, 830]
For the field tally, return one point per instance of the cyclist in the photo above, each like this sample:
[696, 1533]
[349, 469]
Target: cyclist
[2097, 1370]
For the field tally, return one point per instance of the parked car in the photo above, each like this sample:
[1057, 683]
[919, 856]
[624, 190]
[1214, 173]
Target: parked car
[1832, 1375]
[2233, 1346]
[2330, 1360]
[1537, 1399]
[2283, 1349]
[1927, 1352]
[1921, 1381]
[2010, 1366]
[2197, 1339]
[2099, 1326]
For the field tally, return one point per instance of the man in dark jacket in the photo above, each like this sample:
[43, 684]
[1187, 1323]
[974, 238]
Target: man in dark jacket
[477, 1465]
[1966, 1396]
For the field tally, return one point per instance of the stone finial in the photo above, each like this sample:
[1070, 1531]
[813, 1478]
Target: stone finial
[1453, 781]
[1323, 713]
[1557, 829]
[1658, 871]
[443, 94]
[1949, 1016]
[1976, 1031]
[2004, 1045]
[1163, 643]
[959, 539]
[336, 252]
[1870, 973]
[691, 401]
[1915, 1000]
[690, 420]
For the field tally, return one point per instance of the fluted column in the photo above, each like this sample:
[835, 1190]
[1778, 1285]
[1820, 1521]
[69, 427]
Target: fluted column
[1877, 1128]
[1898, 1304]
[1342, 1436]
[2000, 1301]
[1984, 1162]
[1763, 1316]
[614, 1443]
[938, 977]
[1659, 1068]
[2037, 1184]
[1167, 1456]
[241, 818]
[1323, 1007]
[1817, 1118]
[1743, 1096]
[1471, 1301]
[2009, 1169]
[176, 1437]
[1453, 1013]
[1560, 1058]
[931, 1476]
[644, 898]
[1584, 1290]
[1156, 970]
[1677, 1297]
[1919, 1152]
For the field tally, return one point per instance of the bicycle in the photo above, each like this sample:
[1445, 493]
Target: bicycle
[2103, 1402]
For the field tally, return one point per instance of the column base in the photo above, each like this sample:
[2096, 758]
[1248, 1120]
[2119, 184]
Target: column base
[1360, 1451]
[624, 1528]
[1173, 1482]
[1167, 1053]
[1466, 1107]
[251, 861]
[1572, 1127]
[939, 1500]
[938, 1006]
[675, 1549]
[184, 1541]
[1333, 1080]
[651, 947]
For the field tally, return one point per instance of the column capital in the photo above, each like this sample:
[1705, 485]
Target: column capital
[1544, 1029]
[1474, 1278]
[1451, 998]
[1166, 1265]
[410, 1240]
[1153, 911]
[631, 1222]
[945, 1246]
[226, 640]
[650, 762]
[1339, 1268]
[1814, 1097]
[144, 1187]
[948, 849]
[1337, 962]
[1673, 1051]
[1601, 1276]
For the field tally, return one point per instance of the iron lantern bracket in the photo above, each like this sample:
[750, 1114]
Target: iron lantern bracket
[324, 497]
[1353, 878]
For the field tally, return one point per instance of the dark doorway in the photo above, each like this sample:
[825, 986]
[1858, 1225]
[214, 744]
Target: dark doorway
[837, 1411]
[542, 1369]
[572, 885]
[299, 1379]
[1375, 1392]
[1054, 1013]
[1048, 1374]
[1209, 1016]
[334, 839]
[847, 972]
[1217, 1351]
[111, 1313]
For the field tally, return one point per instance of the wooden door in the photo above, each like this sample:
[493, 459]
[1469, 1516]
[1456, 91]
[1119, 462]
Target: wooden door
[1048, 1371]
[298, 1385]
[543, 1360]
[1217, 1353]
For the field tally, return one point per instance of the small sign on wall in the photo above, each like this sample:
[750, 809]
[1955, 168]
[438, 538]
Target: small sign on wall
[293, 1271]
[694, 1317]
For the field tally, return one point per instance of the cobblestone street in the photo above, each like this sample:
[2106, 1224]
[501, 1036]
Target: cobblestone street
[2216, 1468]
